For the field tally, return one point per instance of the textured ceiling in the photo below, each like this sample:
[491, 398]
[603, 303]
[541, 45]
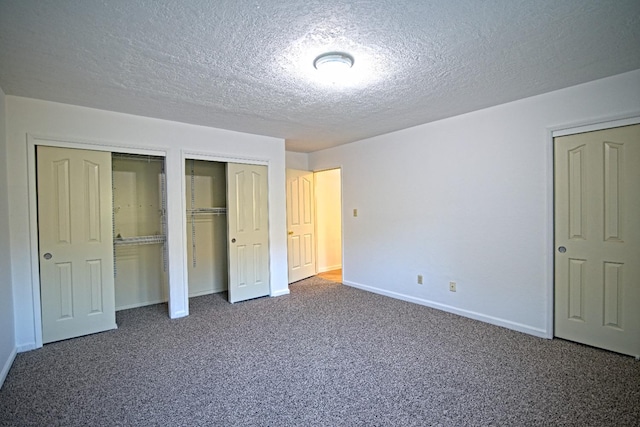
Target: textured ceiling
[247, 65]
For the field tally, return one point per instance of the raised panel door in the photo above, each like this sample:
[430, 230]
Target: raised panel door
[75, 242]
[597, 236]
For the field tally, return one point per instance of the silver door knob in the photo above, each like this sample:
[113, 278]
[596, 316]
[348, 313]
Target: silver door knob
[47, 256]
[562, 249]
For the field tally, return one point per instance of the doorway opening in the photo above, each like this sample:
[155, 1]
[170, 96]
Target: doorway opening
[101, 238]
[328, 186]
[227, 229]
[139, 230]
[206, 193]
[314, 224]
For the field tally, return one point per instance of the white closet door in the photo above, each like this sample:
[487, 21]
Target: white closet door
[248, 231]
[301, 242]
[597, 268]
[75, 242]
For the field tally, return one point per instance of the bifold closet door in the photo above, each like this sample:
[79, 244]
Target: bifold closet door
[248, 231]
[75, 242]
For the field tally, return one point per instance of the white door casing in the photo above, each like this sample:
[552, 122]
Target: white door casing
[75, 242]
[597, 238]
[248, 231]
[300, 225]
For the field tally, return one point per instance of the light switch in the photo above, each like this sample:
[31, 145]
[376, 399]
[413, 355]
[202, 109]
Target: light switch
[355, 212]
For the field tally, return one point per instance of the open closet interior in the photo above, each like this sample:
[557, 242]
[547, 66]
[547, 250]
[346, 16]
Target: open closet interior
[139, 230]
[206, 193]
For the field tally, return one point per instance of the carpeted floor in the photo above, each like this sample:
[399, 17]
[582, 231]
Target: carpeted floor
[326, 355]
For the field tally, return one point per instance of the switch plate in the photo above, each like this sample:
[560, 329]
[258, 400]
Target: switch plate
[452, 286]
[419, 279]
[355, 212]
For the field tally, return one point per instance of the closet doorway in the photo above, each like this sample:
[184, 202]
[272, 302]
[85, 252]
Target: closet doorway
[227, 229]
[101, 237]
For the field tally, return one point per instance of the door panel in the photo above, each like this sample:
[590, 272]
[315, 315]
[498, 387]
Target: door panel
[248, 231]
[597, 273]
[75, 242]
[300, 223]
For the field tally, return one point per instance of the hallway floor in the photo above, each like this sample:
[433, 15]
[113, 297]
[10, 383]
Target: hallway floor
[333, 275]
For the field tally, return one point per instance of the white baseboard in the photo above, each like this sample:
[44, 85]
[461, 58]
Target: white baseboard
[538, 332]
[7, 366]
[145, 303]
[140, 304]
[329, 268]
[280, 292]
[206, 292]
[26, 347]
[178, 314]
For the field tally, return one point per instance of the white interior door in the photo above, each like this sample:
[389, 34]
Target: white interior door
[248, 231]
[597, 220]
[75, 242]
[300, 224]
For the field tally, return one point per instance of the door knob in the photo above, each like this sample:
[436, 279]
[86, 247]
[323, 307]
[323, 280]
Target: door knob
[47, 256]
[233, 240]
[562, 249]
[290, 233]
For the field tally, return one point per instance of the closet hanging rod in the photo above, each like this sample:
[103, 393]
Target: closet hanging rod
[139, 240]
[205, 211]
[126, 156]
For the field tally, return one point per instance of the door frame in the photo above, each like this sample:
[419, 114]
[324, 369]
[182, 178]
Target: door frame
[208, 157]
[315, 213]
[32, 142]
[553, 132]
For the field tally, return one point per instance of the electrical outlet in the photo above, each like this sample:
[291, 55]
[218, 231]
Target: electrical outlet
[452, 286]
[419, 279]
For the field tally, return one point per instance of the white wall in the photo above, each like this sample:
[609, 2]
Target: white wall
[328, 220]
[7, 328]
[467, 199]
[122, 131]
[298, 161]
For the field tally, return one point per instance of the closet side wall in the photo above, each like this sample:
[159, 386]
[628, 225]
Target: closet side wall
[206, 231]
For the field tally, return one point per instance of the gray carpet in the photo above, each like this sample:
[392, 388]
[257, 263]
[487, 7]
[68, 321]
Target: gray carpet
[326, 355]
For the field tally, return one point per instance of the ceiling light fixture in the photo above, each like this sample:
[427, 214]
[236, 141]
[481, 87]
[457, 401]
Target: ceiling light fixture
[333, 64]
[340, 60]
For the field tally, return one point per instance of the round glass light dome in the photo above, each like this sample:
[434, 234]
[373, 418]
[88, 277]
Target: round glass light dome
[333, 65]
[337, 60]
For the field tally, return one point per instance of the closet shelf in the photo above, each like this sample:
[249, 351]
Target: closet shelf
[139, 240]
[207, 211]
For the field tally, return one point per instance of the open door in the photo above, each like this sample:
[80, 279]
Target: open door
[75, 242]
[597, 223]
[248, 231]
[301, 244]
